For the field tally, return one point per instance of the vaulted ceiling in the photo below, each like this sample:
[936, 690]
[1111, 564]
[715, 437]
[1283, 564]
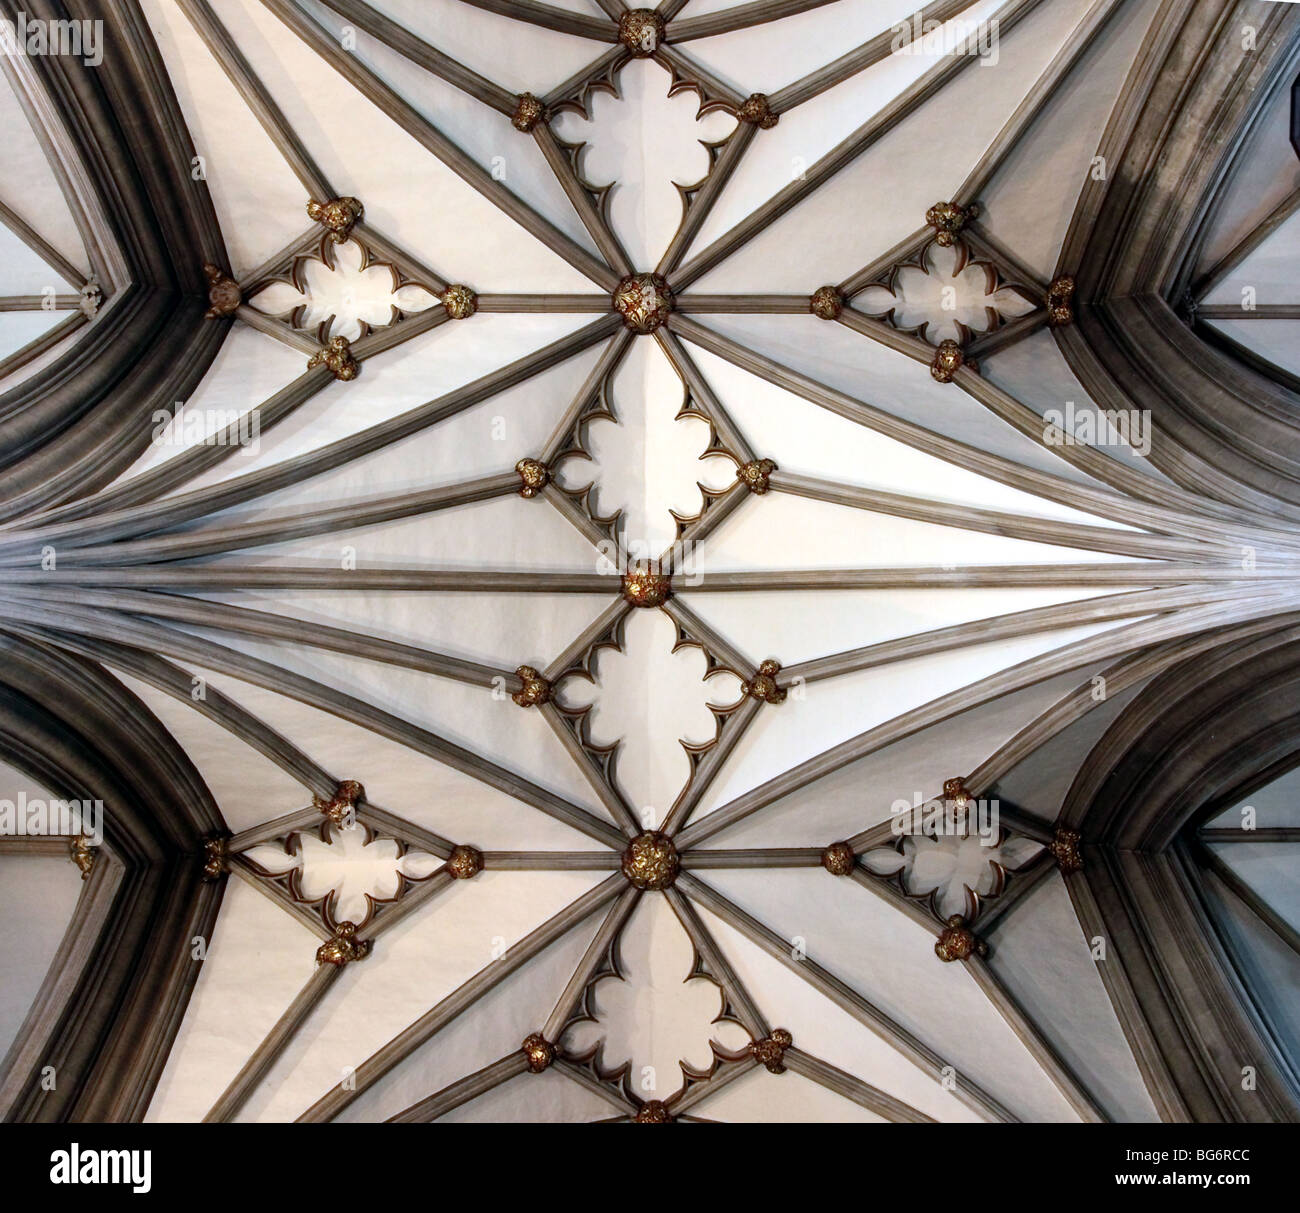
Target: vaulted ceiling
[731, 562]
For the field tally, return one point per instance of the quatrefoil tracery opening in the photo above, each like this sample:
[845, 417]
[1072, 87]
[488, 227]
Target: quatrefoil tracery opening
[945, 294]
[342, 292]
[346, 869]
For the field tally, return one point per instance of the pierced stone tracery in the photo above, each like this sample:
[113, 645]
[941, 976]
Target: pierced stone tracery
[653, 975]
[944, 295]
[952, 864]
[344, 871]
[342, 292]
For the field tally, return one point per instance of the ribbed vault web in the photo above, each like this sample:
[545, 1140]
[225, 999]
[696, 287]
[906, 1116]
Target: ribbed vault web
[432, 615]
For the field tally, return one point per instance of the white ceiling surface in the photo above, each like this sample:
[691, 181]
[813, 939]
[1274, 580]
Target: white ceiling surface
[428, 366]
[25, 273]
[258, 959]
[458, 353]
[38, 895]
[461, 117]
[649, 698]
[1275, 804]
[1029, 202]
[488, 438]
[863, 793]
[405, 783]
[883, 379]
[1269, 269]
[836, 709]
[468, 716]
[802, 1101]
[509, 1012]
[248, 368]
[787, 531]
[1040, 783]
[821, 1028]
[546, 1097]
[38, 364]
[656, 1018]
[536, 61]
[803, 136]
[1267, 962]
[646, 463]
[18, 328]
[1272, 339]
[1266, 276]
[13, 782]
[421, 960]
[1036, 372]
[1270, 868]
[31, 190]
[409, 195]
[890, 960]
[760, 623]
[645, 141]
[1060, 986]
[1269, 171]
[31, 939]
[278, 944]
[417, 963]
[260, 955]
[882, 196]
